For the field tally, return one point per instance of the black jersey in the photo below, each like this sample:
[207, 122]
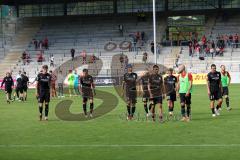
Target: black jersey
[156, 84]
[25, 80]
[86, 81]
[130, 80]
[170, 84]
[19, 81]
[44, 81]
[144, 82]
[8, 81]
[214, 81]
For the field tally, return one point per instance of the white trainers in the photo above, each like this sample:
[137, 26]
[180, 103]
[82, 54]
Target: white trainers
[148, 115]
[170, 113]
[217, 112]
[46, 118]
[91, 116]
[213, 115]
[229, 108]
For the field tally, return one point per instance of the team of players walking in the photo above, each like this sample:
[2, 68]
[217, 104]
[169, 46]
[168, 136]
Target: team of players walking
[153, 86]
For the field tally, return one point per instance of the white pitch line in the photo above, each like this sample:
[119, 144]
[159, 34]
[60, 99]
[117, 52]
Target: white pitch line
[118, 145]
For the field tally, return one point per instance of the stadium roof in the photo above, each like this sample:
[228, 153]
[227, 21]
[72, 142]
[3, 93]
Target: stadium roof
[22, 2]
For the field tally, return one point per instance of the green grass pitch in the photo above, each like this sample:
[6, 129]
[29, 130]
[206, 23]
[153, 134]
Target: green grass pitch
[110, 137]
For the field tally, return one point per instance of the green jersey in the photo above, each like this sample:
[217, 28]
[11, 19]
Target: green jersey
[225, 79]
[71, 79]
[185, 83]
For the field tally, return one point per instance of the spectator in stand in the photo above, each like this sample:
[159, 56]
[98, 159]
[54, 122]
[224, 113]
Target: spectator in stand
[35, 42]
[152, 47]
[145, 57]
[217, 51]
[236, 40]
[40, 58]
[24, 57]
[207, 49]
[221, 51]
[72, 53]
[121, 59]
[204, 41]
[220, 42]
[143, 35]
[40, 44]
[46, 43]
[120, 28]
[28, 58]
[230, 39]
[84, 56]
[195, 43]
[198, 50]
[93, 58]
[212, 52]
[226, 40]
[190, 46]
[213, 44]
[138, 36]
[52, 61]
[126, 61]
[134, 43]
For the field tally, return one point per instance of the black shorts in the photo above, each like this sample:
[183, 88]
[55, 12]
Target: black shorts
[8, 90]
[25, 88]
[131, 96]
[157, 100]
[19, 89]
[185, 99]
[225, 91]
[145, 97]
[85, 99]
[216, 95]
[44, 97]
[171, 97]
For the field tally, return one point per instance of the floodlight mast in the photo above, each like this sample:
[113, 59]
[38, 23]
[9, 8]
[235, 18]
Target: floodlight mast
[154, 31]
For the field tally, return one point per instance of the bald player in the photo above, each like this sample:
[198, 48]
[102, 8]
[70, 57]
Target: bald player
[225, 80]
[184, 88]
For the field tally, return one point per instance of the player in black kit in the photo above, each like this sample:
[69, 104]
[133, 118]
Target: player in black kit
[43, 91]
[19, 87]
[130, 87]
[87, 89]
[25, 81]
[144, 89]
[8, 81]
[214, 87]
[156, 89]
[170, 89]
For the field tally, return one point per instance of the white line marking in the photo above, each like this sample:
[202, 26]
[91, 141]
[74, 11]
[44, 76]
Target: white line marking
[117, 145]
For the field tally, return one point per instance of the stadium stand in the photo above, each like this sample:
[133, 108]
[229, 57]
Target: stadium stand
[230, 58]
[81, 34]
